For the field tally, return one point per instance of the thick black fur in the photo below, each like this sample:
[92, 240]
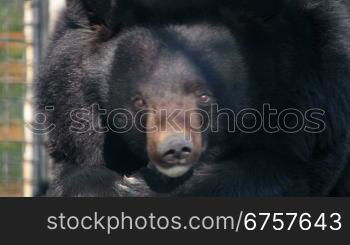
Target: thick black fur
[290, 54]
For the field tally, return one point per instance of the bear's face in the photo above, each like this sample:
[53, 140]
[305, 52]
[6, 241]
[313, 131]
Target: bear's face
[168, 78]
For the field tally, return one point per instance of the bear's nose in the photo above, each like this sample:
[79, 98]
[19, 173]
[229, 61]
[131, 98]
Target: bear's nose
[175, 150]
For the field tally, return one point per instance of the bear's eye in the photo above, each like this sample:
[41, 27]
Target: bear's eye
[204, 98]
[140, 103]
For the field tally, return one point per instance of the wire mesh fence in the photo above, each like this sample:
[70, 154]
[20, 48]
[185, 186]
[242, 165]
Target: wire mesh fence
[23, 33]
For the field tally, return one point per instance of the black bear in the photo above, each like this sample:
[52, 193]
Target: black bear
[198, 98]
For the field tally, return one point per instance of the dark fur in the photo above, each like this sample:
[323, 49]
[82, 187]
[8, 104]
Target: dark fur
[291, 54]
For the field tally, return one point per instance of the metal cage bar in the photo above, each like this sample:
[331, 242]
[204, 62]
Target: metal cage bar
[24, 29]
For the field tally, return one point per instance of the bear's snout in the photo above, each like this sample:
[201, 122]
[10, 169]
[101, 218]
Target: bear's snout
[175, 154]
[174, 136]
[175, 150]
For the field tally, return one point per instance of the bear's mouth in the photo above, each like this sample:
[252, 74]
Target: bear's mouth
[173, 172]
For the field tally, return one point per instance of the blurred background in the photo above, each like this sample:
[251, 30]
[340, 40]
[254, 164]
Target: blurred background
[25, 26]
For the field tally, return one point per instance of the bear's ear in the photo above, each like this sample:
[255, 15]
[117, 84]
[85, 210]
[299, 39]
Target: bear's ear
[92, 13]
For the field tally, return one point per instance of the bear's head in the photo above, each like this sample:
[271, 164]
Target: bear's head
[168, 79]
